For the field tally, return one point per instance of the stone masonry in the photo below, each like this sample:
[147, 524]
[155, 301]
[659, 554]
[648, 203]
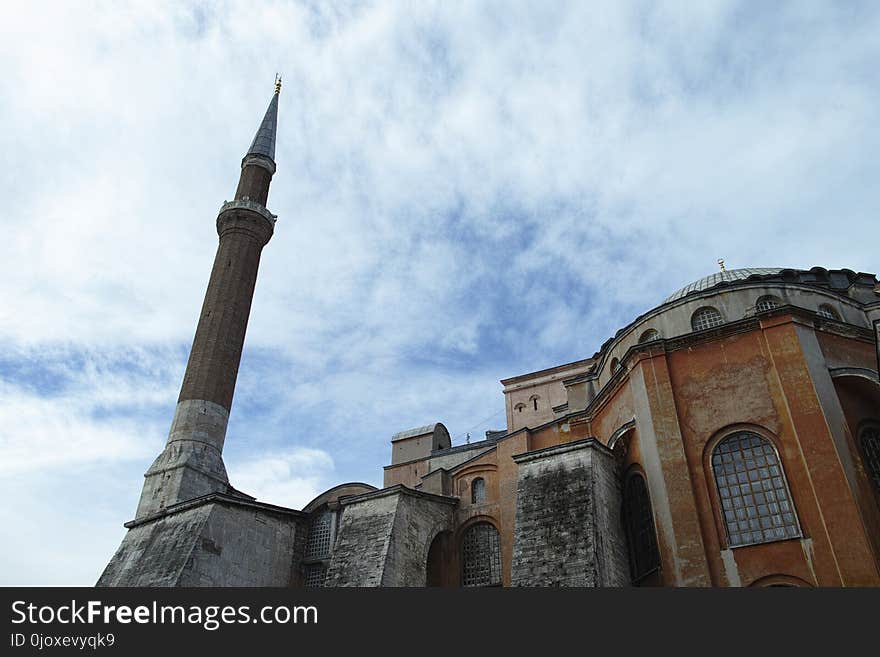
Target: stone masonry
[568, 526]
[385, 537]
[214, 541]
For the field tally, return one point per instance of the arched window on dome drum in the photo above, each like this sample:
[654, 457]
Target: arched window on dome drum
[827, 312]
[649, 335]
[870, 441]
[705, 318]
[478, 490]
[638, 519]
[615, 365]
[755, 503]
[481, 556]
[767, 302]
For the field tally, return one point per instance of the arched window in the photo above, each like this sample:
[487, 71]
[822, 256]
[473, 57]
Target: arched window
[870, 440]
[649, 335]
[827, 312]
[534, 399]
[519, 407]
[319, 535]
[644, 557]
[755, 501]
[481, 556]
[767, 302]
[478, 490]
[705, 318]
[615, 365]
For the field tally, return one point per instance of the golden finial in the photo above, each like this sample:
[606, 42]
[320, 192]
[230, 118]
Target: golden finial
[721, 264]
[277, 83]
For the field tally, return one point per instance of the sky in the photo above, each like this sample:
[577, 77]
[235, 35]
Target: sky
[466, 191]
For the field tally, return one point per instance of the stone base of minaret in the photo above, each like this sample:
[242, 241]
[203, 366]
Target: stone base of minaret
[215, 540]
[191, 465]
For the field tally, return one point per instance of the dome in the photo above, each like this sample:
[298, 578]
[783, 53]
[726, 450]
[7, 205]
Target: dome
[730, 276]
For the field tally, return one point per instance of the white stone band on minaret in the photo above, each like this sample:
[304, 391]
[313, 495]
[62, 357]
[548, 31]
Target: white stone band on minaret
[191, 465]
[201, 421]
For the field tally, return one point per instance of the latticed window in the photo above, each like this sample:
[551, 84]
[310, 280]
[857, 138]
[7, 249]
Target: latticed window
[706, 318]
[481, 556]
[649, 335]
[755, 502]
[767, 302]
[313, 576]
[827, 312]
[319, 536]
[478, 490]
[644, 557]
[870, 440]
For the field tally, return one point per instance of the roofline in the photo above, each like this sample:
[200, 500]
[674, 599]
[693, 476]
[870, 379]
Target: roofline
[667, 345]
[330, 490]
[550, 370]
[753, 281]
[399, 489]
[466, 462]
[406, 434]
[561, 448]
[216, 498]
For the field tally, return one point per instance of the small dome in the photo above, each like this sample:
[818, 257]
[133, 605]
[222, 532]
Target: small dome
[728, 276]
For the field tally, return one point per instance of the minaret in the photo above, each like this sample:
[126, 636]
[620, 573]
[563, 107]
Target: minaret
[191, 465]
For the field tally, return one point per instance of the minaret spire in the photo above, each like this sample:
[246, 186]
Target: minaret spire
[191, 465]
[264, 140]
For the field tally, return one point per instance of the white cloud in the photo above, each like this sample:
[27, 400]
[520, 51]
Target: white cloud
[290, 478]
[465, 191]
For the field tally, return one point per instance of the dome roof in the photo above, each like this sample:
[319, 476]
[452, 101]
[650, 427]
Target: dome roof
[728, 276]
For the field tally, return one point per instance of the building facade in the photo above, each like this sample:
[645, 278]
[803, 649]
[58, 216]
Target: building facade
[728, 437]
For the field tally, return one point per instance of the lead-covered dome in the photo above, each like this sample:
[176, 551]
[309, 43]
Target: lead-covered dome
[729, 276]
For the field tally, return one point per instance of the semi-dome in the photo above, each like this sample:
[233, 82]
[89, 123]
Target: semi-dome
[728, 276]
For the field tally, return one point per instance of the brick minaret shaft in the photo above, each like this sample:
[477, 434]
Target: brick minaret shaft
[191, 465]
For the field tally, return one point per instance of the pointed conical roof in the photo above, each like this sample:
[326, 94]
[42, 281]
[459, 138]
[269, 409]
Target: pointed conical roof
[264, 140]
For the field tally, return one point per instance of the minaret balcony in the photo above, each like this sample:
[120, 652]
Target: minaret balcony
[248, 216]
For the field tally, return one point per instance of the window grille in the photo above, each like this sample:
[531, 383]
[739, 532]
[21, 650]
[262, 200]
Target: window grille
[755, 501]
[314, 575]
[649, 335]
[767, 302]
[706, 318]
[481, 556]
[870, 440]
[827, 312]
[319, 536]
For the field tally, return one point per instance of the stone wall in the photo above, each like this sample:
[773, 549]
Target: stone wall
[384, 537]
[155, 553]
[568, 525]
[212, 542]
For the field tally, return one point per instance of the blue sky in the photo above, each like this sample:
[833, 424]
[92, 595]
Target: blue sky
[466, 192]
